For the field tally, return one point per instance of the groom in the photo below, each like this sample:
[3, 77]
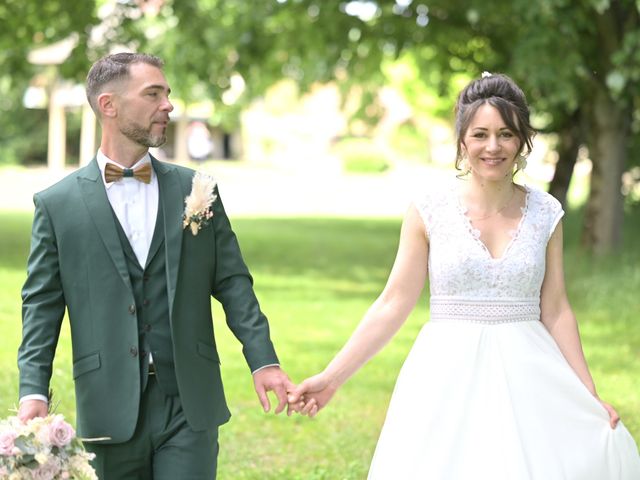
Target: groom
[108, 245]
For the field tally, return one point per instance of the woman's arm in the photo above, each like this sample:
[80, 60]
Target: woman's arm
[558, 317]
[381, 321]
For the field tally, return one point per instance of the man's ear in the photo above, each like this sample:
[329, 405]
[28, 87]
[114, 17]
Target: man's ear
[107, 105]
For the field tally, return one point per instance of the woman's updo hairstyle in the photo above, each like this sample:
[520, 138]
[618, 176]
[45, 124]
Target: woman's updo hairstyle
[504, 95]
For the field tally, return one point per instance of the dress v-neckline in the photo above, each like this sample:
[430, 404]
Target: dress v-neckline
[475, 233]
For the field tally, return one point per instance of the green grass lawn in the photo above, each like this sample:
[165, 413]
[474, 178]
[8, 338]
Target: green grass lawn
[315, 278]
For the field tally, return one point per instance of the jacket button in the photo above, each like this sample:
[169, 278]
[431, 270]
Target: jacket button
[132, 309]
[147, 327]
[146, 302]
[133, 351]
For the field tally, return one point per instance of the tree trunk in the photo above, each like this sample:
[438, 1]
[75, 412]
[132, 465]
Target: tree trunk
[569, 141]
[608, 144]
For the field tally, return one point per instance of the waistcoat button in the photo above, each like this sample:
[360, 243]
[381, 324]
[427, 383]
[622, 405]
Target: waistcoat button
[132, 309]
[133, 351]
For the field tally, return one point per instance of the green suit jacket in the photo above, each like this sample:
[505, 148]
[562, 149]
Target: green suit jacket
[76, 262]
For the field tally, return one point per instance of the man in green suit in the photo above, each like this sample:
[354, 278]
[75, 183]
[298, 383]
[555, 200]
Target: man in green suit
[110, 245]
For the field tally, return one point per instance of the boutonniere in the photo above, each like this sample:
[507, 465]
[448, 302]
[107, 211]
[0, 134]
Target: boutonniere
[198, 205]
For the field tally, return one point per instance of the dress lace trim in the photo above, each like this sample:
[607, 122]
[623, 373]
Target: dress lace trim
[488, 312]
[475, 233]
[460, 266]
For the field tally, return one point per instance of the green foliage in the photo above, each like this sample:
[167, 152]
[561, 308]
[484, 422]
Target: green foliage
[408, 141]
[554, 51]
[27, 25]
[24, 137]
[360, 155]
[562, 53]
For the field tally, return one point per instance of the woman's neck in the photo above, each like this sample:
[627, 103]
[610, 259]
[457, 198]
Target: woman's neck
[488, 197]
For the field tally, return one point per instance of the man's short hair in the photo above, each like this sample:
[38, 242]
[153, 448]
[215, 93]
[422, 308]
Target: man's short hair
[113, 68]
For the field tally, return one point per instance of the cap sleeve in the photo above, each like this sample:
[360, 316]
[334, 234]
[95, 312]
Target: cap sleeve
[555, 212]
[424, 206]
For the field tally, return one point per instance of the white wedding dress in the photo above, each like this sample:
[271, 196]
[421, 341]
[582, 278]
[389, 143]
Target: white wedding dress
[485, 393]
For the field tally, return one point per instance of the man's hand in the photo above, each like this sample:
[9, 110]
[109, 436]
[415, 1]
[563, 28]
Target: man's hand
[275, 380]
[312, 395]
[32, 408]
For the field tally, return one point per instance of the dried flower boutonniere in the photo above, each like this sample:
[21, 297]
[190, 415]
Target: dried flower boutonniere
[199, 203]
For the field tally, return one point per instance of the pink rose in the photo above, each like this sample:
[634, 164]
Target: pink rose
[60, 432]
[6, 442]
[47, 471]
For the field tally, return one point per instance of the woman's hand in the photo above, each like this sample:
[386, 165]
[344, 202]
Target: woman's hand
[310, 396]
[614, 418]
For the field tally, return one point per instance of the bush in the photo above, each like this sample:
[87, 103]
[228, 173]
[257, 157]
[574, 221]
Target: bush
[408, 142]
[360, 155]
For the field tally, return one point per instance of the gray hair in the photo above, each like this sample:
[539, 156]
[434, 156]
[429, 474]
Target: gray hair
[114, 68]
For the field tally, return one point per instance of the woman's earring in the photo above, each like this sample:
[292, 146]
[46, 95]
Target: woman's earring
[464, 164]
[521, 162]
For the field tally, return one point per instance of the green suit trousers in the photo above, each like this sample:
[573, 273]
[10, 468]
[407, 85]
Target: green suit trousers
[163, 446]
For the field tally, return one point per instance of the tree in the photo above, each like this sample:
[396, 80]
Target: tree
[587, 52]
[578, 62]
[27, 25]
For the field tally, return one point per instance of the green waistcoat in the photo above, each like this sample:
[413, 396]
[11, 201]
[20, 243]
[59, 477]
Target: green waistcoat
[152, 307]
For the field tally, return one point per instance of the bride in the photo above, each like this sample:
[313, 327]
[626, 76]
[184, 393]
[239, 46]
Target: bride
[496, 386]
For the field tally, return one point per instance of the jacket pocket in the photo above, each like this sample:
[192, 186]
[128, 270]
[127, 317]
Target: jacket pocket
[209, 352]
[86, 364]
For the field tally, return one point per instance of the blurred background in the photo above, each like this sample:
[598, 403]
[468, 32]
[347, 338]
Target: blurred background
[321, 120]
[326, 87]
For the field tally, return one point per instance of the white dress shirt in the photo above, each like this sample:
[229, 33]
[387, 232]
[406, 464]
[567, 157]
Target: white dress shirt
[135, 204]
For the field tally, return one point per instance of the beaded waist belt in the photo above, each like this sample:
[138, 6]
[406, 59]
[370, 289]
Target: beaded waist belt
[490, 311]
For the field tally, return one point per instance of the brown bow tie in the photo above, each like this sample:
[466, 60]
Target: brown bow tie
[113, 173]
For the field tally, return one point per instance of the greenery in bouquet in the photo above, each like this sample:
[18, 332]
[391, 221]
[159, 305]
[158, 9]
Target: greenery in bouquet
[42, 449]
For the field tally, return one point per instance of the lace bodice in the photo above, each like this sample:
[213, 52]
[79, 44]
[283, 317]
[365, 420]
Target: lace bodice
[460, 265]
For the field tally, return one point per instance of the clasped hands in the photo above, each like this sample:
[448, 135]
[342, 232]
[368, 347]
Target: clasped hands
[307, 398]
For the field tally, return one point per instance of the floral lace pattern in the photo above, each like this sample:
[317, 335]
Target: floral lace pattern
[462, 269]
[475, 233]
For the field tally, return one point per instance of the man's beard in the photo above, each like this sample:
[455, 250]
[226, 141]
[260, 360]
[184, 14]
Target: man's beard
[142, 136]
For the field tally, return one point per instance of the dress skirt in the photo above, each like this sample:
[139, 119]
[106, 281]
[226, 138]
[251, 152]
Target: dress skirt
[483, 401]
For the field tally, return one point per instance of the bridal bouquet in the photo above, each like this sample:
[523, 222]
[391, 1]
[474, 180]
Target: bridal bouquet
[42, 449]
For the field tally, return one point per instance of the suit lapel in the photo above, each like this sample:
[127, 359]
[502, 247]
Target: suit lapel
[172, 200]
[95, 198]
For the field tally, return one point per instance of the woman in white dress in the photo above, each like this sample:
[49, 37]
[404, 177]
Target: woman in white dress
[496, 386]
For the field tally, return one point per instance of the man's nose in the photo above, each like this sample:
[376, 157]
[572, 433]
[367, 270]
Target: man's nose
[167, 106]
